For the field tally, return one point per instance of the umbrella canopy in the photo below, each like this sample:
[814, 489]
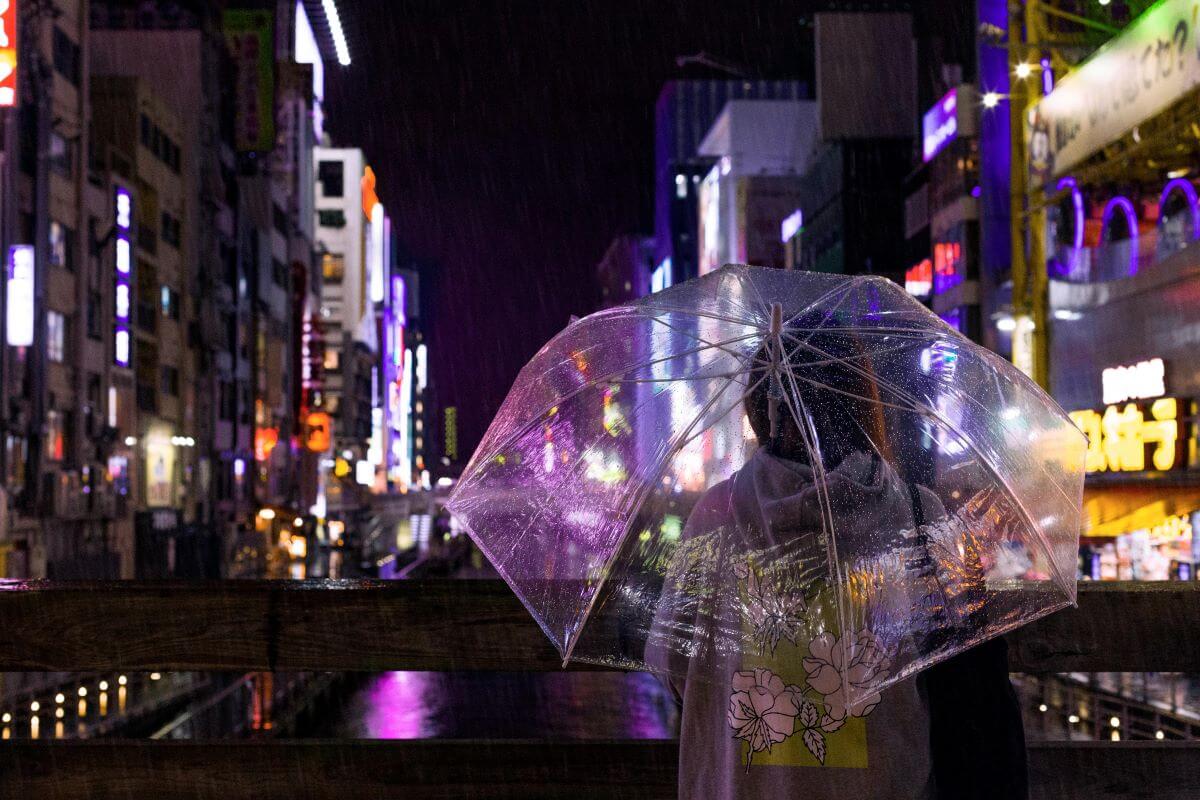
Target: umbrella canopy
[761, 462]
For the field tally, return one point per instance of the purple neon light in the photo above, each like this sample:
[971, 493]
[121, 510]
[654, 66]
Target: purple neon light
[1077, 232]
[1189, 191]
[1047, 76]
[123, 267]
[1126, 206]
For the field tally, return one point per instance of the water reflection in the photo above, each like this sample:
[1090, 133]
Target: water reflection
[411, 705]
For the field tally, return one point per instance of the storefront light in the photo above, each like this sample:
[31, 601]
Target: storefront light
[267, 513]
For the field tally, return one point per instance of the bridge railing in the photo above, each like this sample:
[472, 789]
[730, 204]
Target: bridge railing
[451, 625]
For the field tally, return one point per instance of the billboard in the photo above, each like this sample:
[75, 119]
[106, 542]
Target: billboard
[1138, 74]
[939, 126]
[250, 37]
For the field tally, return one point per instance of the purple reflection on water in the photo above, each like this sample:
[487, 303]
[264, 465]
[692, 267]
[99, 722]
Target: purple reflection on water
[396, 707]
[577, 705]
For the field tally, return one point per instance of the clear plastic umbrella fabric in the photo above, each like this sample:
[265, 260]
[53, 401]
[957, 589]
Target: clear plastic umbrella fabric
[773, 468]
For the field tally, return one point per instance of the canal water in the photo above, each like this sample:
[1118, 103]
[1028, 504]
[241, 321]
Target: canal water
[568, 705]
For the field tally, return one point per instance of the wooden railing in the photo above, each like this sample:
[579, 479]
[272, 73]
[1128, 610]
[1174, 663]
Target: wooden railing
[446, 625]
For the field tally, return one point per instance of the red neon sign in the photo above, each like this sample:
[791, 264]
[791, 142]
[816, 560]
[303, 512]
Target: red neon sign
[8, 53]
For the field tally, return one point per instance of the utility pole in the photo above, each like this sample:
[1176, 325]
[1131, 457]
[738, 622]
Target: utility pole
[1031, 336]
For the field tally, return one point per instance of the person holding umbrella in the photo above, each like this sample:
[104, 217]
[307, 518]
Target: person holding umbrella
[952, 731]
[810, 507]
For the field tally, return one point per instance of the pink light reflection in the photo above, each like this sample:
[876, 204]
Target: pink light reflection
[397, 707]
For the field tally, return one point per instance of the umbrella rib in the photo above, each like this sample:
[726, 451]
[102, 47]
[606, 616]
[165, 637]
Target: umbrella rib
[844, 288]
[643, 490]
[697, 337]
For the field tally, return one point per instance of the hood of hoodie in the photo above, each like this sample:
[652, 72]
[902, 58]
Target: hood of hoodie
[775, 500]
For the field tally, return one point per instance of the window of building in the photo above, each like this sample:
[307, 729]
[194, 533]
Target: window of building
[94, 314]
[56, 432]
[331, 359]
[144, 130]
[62, 245]
[170, 380]
[66, 56]
[170, 302]
[331, 218]
[330, 174]
[61, 155]
[279, 219]
[170, 230]
[226, 401]
[333, 267]
[56, 336]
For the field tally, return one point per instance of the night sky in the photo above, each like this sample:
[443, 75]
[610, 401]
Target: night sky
[513, 140]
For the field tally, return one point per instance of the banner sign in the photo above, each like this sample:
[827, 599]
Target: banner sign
[250, 37]
[1142, 72]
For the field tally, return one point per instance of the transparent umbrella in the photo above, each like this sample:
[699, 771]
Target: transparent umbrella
[766, 467]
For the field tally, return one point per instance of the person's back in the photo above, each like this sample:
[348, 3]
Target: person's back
[763, 687]
[773, 721]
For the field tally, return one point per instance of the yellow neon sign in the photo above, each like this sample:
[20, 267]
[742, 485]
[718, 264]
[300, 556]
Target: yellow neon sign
[1118, 438]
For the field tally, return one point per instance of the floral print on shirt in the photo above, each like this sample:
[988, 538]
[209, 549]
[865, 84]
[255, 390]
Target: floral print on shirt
[765, 710]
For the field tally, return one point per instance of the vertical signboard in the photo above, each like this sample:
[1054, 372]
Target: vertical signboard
[250, 37]
[123, 274]
[8, 53]
[20, 301]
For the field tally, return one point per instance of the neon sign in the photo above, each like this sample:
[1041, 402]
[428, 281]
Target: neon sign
[20, 296]
[918, 279]
[8, 53]
[1140, 381]
[939, 126]
[123, 276]
[1119, 438]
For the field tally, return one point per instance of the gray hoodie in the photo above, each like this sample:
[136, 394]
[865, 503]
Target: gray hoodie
[765, 714]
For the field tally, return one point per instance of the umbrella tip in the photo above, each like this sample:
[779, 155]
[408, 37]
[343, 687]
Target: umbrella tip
[776, 319]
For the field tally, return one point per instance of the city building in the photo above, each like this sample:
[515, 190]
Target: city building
[851, 201]
[683, 115]
[162, 335]
[625, 271]
[137, 165]
[345, 197]
[1122, 247]
[58, 506]
[955, 200]
[759, 149]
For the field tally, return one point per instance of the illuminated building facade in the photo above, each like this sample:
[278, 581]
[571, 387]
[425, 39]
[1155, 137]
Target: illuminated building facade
[350, 283]
[851, 194]
[759, 148]
[953, 200]
[167, 357]
[683, 115]
[56, 367]
[1123, 262]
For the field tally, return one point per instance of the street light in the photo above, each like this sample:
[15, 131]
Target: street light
[1024, 70]
[991, 99]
